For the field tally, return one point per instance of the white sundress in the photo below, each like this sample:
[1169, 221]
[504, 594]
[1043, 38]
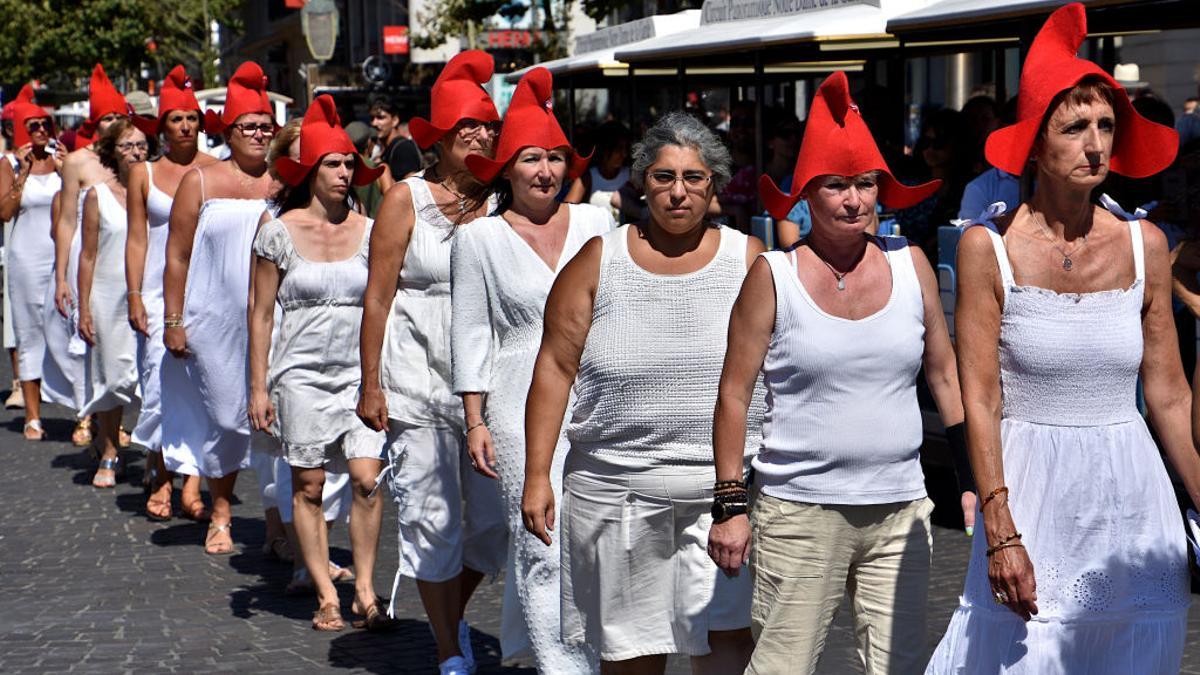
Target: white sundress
[151, 351]
[1088, 491]
[207, 431]
[112, 380]
[64, 369]
[29, 264]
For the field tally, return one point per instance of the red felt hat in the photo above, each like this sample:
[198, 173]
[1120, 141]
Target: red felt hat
[26, 109]
[26, 94]
[103, 99]
[457, 95]
[176, 94]
[837, 142]
[1141, 148]
[529, 122]
[247, 93]
[321, 133]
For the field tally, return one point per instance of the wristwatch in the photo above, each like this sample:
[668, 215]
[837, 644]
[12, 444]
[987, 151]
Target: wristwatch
[722, 512]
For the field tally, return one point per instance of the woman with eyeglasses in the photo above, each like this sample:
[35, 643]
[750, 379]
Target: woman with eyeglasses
[26, 196]
[206, 288]
[152, 187]
[502, 268]
[637, 323]
[405, 352]
[103, 310]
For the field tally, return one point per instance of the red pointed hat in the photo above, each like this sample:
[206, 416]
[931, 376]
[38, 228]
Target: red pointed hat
[1141, 148]
[529, 122]
[247, 93]
[321, 133]
[26, 94]
[457, 95]
[176, 94]
[837, 142]
[103, 99]
[26, 109]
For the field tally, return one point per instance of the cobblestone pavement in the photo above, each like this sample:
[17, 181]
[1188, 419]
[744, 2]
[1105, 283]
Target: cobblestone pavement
[91, 585]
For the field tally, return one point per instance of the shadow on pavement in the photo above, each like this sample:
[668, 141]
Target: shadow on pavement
[409, 649]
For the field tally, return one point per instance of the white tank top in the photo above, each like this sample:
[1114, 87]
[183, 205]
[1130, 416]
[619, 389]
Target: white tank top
[843, 425]
[648, 376]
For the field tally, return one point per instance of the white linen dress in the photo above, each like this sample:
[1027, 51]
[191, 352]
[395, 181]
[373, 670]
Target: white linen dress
[150, 349]
[64, 375]
[10, 336]
[30, 265]
[207, 432]
[112, 362]
[1088, 490]
[499, 286]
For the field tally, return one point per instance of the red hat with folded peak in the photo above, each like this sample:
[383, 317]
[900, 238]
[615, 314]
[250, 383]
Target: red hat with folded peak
[529, 122]
[321, 133]
[177, 93]
[25, 109]
[457, 95]
[103, 99]
[837, 142]
[26, 94]
[1140, 147]
[246, 93]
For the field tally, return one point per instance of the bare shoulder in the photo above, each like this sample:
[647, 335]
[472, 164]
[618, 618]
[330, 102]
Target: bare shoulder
[205, 159]
[1154, 240]
[975, 245]
[400, 194]
[583, 270]
[754, 246]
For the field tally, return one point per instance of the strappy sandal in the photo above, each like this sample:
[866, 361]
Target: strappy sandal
[279, 550]
[82, 436]
[112, 464]
[220, 548]
[328, 619]
[33, 430]
[197, 511]
[375, 619]
[159, 508]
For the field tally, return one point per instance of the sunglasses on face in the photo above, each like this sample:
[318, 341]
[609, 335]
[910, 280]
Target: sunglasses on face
[38, 125]
[250, 129]
[468, 128]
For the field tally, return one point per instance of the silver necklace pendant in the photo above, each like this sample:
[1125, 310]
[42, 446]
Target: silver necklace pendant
[841, 283]
[1067, 265]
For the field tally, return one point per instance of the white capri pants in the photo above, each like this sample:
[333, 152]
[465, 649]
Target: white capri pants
[275, 484]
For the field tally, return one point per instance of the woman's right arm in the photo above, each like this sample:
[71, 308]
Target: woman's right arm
[977, 322]
[64, 230]
[471, 347]
[11, 186]
[90, 245]
[185, 216]
[136, 243]
[385, 256]
[262, 319]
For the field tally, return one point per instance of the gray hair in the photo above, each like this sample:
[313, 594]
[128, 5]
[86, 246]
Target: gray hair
[685, 131]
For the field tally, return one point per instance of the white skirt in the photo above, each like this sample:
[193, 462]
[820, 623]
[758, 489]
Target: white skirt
[636, 576]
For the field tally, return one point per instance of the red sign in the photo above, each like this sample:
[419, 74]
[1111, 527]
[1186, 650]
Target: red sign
[294, 4]
[395, 39]
[509, 39]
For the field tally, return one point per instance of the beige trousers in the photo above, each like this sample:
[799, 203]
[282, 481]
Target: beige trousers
[805, 557]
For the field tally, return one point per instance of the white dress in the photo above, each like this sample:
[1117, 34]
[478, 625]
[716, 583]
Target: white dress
[151, 351]
[112, 362]
[30, 265]
[1088, 491]
[10, 336]
[207, 432]
[64, 375]
[499, 286]
[314, 374]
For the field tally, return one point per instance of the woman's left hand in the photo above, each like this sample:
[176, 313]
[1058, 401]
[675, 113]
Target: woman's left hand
[537, 508]
[262, 411]
[87, 328]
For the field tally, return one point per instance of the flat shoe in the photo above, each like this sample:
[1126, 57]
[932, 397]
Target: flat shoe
[375, 619]
[33, 430]
[328, 619]
[112, 465]
[82, 436]
[159, 509]
[220, 548]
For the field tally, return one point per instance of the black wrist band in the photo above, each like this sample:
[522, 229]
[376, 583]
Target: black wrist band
[956, 436]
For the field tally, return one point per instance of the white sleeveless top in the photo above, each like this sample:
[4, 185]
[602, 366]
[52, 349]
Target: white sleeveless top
[648, 376]
[833, 385]
[602, 184]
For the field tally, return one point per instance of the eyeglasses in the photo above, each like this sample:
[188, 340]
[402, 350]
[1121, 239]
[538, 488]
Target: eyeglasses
[469, 127]
[133, 145]
[37, 125]
[693, 181]
[250, 129]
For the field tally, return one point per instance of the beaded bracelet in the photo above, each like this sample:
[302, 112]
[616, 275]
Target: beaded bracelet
[1004, 543]
[1002, 490]
[994, 549]
[475, 426]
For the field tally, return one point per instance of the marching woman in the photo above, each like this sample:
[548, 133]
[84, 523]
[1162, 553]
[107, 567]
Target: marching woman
[64, 369]
[312, 260]
[637, 323]
[1083, 566]
[152, 187]
[406, 370]
[502, 268]
[103, 309]
[205, 297]
[16, 399]
[25, 198]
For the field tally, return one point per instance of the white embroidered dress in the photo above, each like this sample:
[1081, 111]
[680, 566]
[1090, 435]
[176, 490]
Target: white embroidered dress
[151, 352]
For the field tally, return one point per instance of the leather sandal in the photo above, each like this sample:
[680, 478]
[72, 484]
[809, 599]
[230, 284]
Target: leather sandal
[123, 437]
[328, 619]
[33, 430]
[375, 619]
[159, 508]
[196, 511]
[112, 464]
[82, 436]
[220, 548]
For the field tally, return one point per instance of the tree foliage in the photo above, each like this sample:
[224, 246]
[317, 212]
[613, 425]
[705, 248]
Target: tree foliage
[58, 41]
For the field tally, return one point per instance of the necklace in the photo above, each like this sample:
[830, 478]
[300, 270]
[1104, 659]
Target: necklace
[840, 276]
[1047, 233]
[462, 199]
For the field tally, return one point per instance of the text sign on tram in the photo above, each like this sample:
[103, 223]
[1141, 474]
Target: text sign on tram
[717, 11]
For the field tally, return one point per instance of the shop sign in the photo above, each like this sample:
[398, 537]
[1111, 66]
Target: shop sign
[395, 39]
[510, 39]
[717, 11]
